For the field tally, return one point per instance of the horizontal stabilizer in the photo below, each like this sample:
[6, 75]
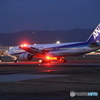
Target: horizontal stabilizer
[94, 45]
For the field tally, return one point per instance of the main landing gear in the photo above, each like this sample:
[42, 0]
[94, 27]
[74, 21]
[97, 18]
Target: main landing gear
[59, 60]
[62, 60]
[46, 61]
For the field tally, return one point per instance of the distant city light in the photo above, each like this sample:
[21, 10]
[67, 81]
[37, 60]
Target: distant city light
[58, 42]
[99, 50]
[97, 41]
[34, 43]
[11, 47]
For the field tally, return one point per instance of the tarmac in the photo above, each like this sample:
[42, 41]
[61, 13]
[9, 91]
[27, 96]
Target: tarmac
[52, 81]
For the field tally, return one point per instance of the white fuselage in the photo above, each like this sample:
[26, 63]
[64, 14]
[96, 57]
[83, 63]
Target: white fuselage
[57, 50]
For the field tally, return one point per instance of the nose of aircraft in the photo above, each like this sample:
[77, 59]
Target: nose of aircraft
[6, 53]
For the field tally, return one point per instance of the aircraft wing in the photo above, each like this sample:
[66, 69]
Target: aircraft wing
[30, 49]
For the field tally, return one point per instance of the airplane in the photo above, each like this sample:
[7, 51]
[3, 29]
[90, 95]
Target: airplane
[49, 52]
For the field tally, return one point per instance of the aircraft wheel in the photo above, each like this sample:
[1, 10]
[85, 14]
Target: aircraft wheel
[15, 61]
[45, 61]
[62, 60]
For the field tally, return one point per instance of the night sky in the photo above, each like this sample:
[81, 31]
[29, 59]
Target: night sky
[19, 15]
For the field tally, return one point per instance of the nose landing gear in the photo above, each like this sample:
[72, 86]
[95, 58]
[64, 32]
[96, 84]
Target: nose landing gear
[15, 60]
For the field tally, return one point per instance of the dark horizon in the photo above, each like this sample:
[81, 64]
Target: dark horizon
[46, 30]
[44, 37]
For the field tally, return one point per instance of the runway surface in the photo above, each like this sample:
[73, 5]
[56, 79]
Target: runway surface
[21, 77]
[51, 81]
[80, 63]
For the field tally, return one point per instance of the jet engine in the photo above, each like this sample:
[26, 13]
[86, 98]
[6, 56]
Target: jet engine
[25, 56]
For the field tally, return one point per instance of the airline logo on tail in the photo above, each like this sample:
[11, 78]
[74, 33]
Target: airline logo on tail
[96, 32]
